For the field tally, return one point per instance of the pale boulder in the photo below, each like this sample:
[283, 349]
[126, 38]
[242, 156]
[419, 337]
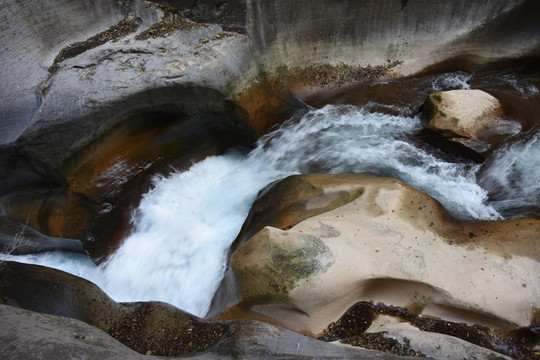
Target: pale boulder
[472, 118]
[392, 244]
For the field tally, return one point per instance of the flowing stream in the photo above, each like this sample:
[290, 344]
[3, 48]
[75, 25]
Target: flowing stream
[186, 223]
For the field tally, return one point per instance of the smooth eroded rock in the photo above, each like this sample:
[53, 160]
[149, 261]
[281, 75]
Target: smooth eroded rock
[29, 335]
[472, 118]
[31, 36]
[113, 116]
[437, 346]
[51, 313]
[392, 244]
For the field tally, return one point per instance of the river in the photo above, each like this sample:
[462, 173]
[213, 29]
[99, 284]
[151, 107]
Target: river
[185, 224]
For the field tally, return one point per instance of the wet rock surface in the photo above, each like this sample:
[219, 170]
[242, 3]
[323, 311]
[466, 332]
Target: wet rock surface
[18, 239]
[114, 172]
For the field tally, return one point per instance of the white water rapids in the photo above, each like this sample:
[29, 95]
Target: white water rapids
[186, 223]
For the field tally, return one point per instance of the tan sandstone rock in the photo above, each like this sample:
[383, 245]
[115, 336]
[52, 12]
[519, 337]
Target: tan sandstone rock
[391, 244]
[472, 118]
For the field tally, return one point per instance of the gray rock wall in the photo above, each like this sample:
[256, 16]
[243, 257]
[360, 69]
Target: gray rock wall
[31, 34]
[283, 32]
[371, 32]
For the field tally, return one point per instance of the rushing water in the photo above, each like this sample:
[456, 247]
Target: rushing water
[186, 223]
[512, 177]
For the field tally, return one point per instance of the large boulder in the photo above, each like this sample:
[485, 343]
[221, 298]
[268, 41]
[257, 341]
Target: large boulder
[391, 244]
[472, 118]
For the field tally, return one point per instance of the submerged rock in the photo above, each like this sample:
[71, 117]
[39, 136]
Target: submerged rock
[391, 244]
[17, 239]
[472, 118]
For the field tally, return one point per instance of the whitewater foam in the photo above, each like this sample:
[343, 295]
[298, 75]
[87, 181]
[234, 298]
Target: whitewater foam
[452, 81]
[184, 226]
[512, 177]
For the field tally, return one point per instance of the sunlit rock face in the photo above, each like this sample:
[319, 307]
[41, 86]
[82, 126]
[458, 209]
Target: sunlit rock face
[391, 244]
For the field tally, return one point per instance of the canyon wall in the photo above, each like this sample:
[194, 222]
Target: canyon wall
[416, 33]
[31, 35]
[82, 136]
